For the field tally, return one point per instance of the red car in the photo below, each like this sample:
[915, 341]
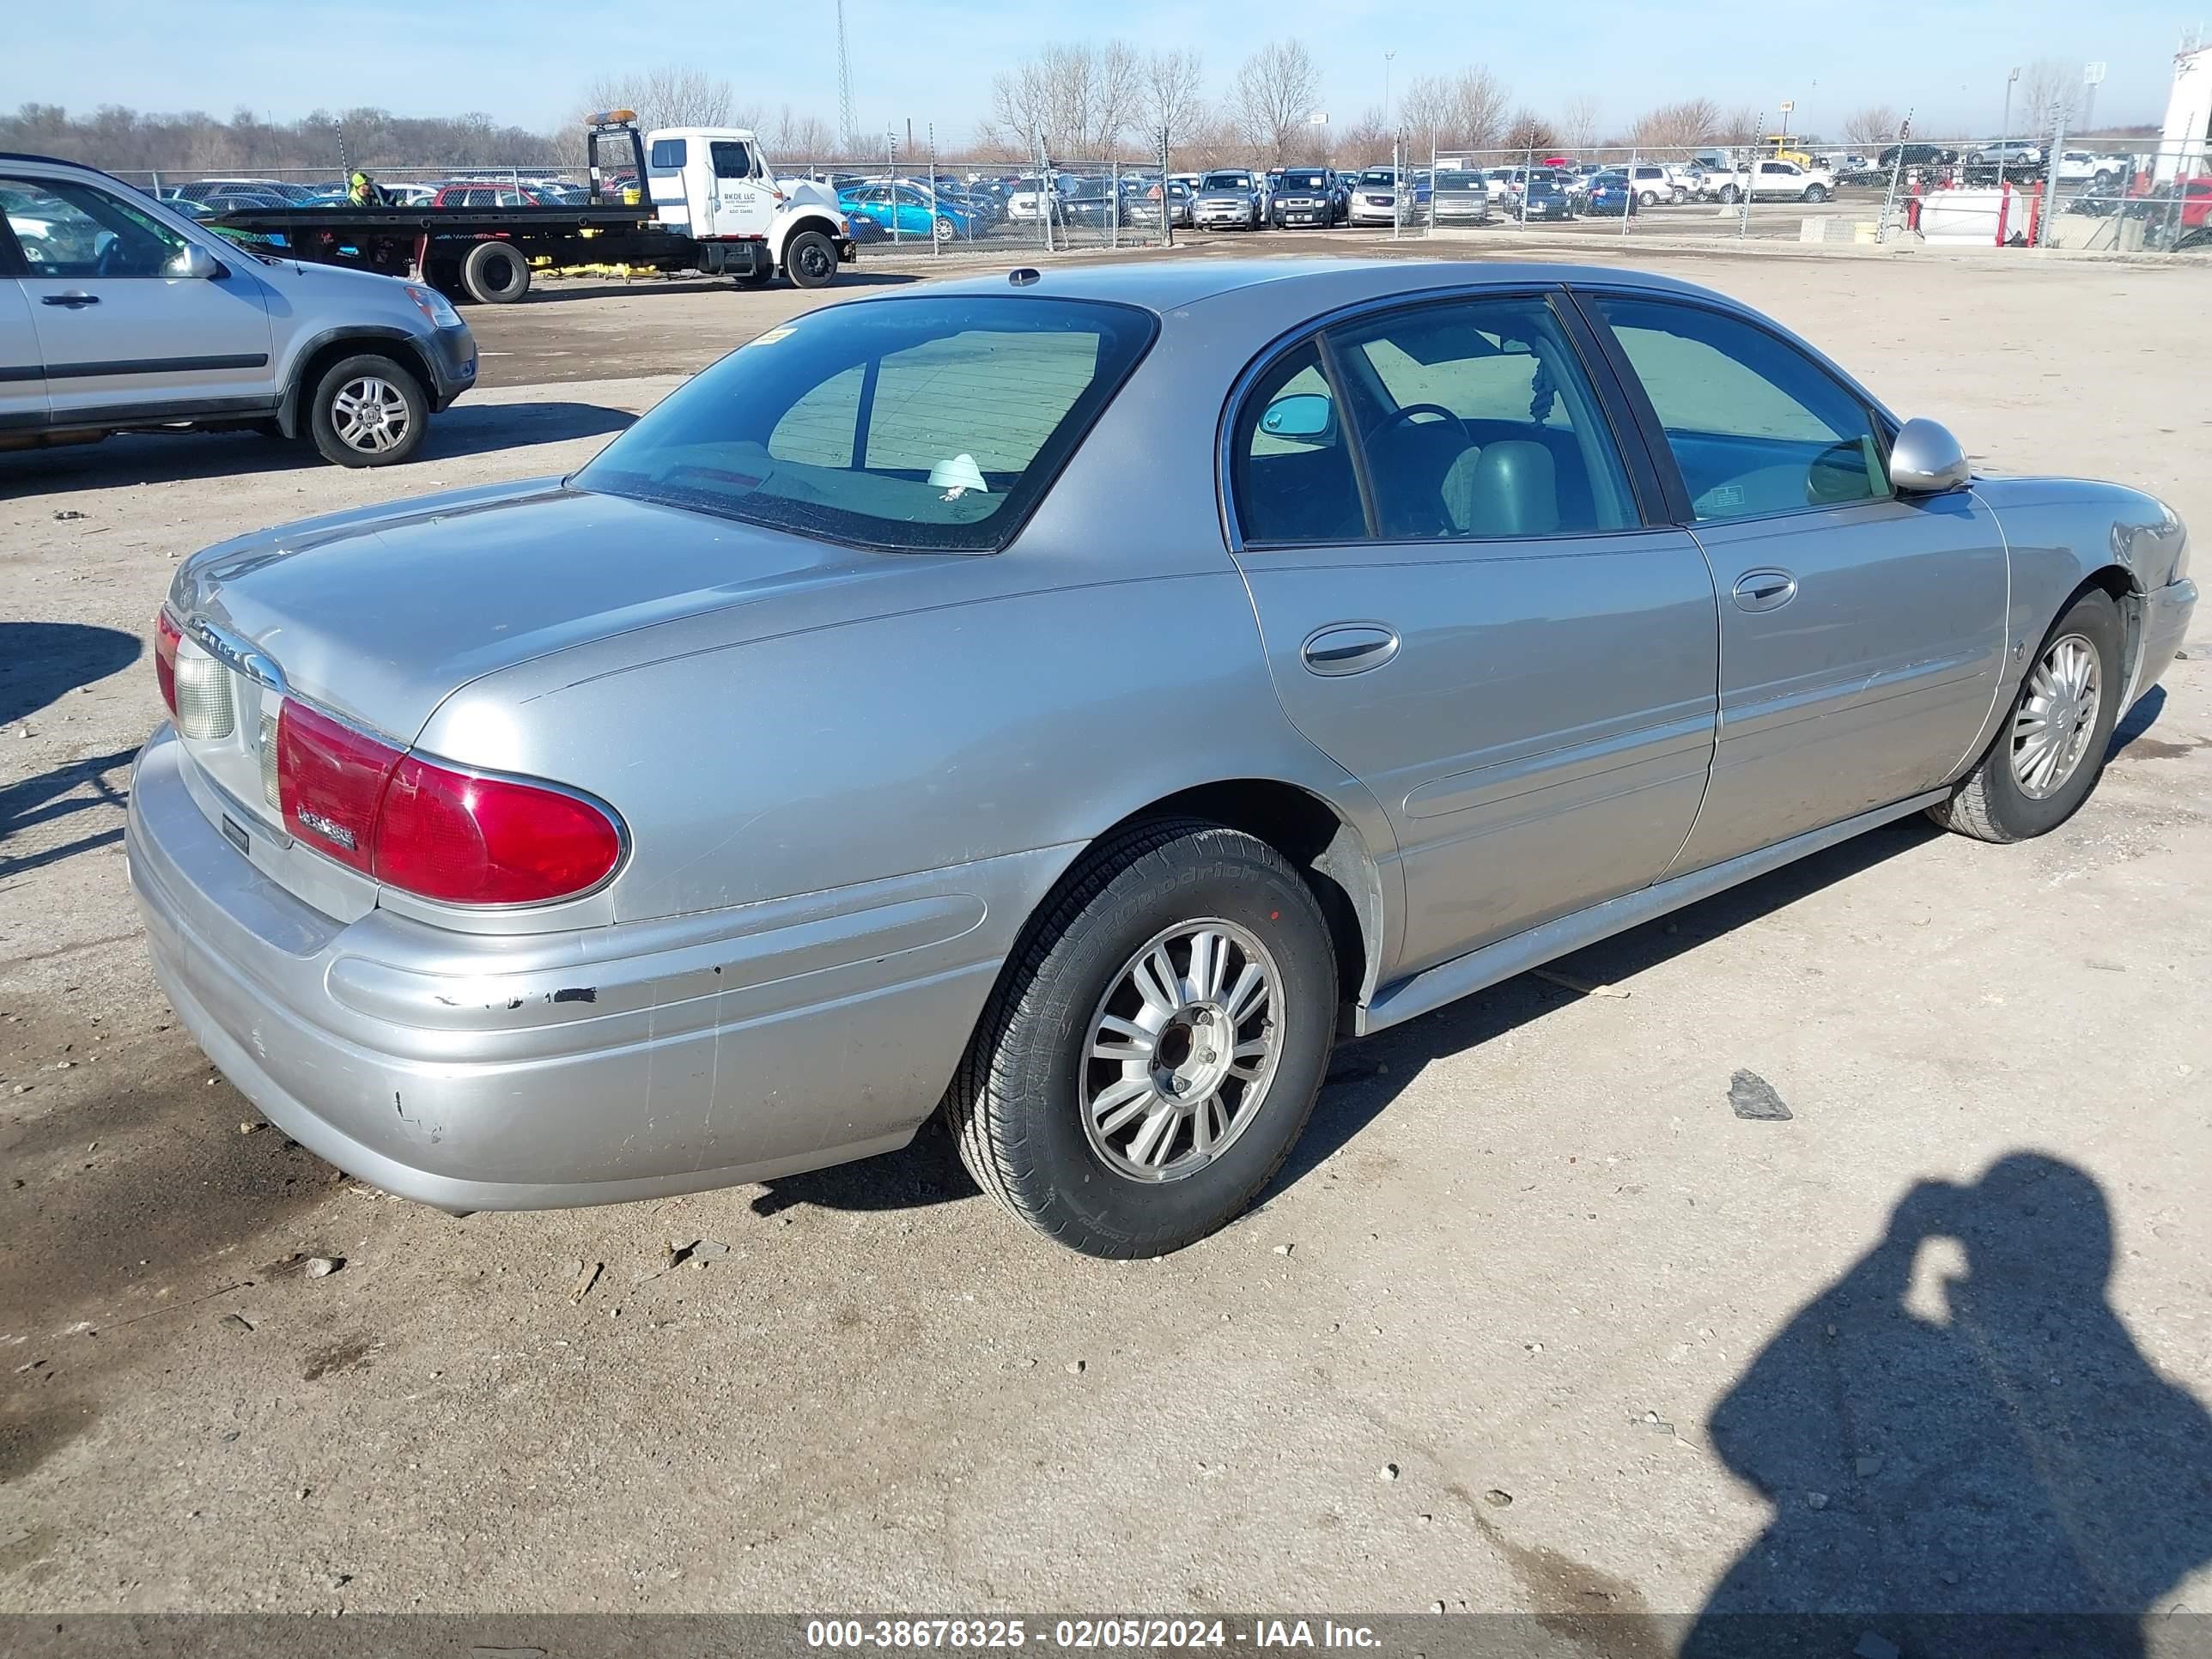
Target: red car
[486, 196]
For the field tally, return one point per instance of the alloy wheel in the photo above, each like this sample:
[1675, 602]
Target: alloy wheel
[2056, 717]
[1181, 1050]
[370, 414]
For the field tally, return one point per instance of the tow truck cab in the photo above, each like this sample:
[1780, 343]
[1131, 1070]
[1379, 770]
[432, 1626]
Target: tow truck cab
[715, 185]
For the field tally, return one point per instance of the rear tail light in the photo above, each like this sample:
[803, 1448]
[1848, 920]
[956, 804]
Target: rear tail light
[428, 829]
[165, 637]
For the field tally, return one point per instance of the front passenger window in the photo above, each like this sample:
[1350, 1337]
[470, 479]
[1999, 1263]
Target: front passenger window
[1755, 426]
[70, 230]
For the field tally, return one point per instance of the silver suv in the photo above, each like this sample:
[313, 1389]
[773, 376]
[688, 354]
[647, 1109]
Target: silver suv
[118, 313]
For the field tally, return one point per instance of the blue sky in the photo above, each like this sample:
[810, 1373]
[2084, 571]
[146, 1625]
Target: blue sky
[932, 60]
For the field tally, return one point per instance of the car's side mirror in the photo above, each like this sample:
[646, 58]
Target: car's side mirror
[1304, 414]
[1926, 460]
[194, 261]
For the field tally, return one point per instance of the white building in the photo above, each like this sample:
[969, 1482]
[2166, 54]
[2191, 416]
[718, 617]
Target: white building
[2182, 148]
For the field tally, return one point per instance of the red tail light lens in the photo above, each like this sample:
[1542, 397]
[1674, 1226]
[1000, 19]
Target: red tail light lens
[428, 829]
[165, 637]
[489, 840]
[328, 780]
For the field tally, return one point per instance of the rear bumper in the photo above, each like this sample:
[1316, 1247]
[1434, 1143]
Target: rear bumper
[642, 1059]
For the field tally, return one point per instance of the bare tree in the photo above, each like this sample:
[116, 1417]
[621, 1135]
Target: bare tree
[1075, 101]
[1579, 122]
[1465, 111]
[801, 137]
[668, 97]
[1364, 140]
[1530, 131]
[1167, 93]
[1683, 126]
[2050, 93]
[1876, 124]
[1741, 125]
[1276, 89]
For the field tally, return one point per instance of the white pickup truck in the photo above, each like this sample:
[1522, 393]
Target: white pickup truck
[1770, 180]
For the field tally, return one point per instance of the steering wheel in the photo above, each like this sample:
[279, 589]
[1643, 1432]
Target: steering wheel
[103, 263]
[1406, 412]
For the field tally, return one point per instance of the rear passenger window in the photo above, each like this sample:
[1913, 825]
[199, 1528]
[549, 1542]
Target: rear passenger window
[1755, 426]
[1476, 421]
[1291, 460]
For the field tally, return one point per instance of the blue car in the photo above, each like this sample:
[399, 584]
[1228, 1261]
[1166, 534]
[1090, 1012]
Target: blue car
[1609, 195]
[907, 210]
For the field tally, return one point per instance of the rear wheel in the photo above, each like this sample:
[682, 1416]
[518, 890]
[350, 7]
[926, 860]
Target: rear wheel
[1729, 194]
[2049, 752]
[1151, 1056]
[368, 411]
[811, 259]
[495, 273]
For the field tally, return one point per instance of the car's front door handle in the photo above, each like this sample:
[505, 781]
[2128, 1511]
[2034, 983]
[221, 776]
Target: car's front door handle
[1348, 649]
[1765, 590]
[72, 300]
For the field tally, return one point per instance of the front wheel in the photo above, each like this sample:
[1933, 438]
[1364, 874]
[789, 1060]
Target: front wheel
[368, 411]
[1153, 1053]
[2049, 752]
[1649, 198]
[1815, 193]
[811, 259]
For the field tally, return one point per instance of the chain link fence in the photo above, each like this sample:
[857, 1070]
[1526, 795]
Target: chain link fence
[2084, 195]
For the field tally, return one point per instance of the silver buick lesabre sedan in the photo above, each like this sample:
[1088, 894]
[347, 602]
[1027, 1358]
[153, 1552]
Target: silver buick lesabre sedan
[1070, 702]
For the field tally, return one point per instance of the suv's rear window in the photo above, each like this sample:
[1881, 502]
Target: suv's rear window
[917, 425]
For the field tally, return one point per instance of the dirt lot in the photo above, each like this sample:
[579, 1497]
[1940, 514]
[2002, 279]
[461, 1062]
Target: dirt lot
[1533, 1321]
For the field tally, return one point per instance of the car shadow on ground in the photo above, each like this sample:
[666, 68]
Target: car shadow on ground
[1366, 1076]
[40, 661]
[1963, 1447]
[466, 428]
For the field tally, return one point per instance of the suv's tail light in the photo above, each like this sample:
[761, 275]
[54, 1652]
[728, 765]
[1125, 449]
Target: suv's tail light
[167, 636]
[428, 829]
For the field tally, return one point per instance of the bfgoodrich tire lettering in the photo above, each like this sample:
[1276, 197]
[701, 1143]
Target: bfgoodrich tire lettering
[1017, 1108]
[2049, 747]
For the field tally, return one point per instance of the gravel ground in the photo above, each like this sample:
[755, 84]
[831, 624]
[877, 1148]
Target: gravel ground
[1534, 1321]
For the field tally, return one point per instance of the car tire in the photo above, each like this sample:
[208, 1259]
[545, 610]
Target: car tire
[1679, 197]
[1089, 1157]
[942, 229]
[809, 260]
[1646, 198]
[495, 273]
[2007, 798]
[1815, 193]
[367, 411]
[1729, 194]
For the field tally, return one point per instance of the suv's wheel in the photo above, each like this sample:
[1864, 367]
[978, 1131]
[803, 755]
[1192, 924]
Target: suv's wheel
[1648, 198]
[368, 411]
[2049, 753]
[810, 258]
[1150, 1059]
[495, 273]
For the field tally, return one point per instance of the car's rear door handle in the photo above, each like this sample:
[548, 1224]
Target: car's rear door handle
[1765, 590]
[1348, 649]
[73, 299]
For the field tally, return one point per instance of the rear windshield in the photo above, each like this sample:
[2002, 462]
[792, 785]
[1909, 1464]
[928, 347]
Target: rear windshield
[913, 425]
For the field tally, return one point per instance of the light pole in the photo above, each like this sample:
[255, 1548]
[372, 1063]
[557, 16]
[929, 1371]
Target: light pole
[1387, 56]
